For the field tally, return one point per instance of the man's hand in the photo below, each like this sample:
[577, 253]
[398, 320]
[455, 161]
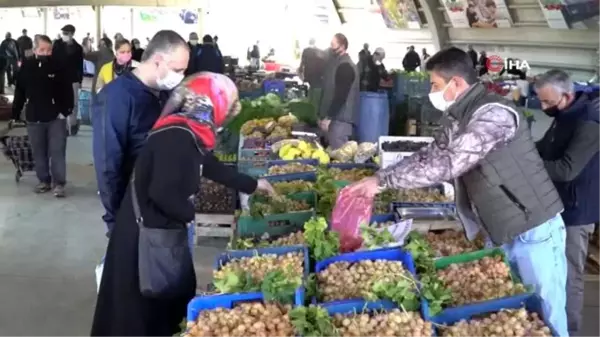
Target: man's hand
[368, 187]
[61, 116]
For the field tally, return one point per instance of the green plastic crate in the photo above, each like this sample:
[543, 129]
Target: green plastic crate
[341, 183]
[276, 224]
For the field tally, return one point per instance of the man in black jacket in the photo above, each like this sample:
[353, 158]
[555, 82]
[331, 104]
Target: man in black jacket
[207, 58]
[9, 50]
[341, 94]
[472, 55]
[49, 96]
[25, 45]
[69, 55]
[411, 60]
[570, 153]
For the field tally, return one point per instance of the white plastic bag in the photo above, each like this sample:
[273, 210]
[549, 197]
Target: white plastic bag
[99, 270]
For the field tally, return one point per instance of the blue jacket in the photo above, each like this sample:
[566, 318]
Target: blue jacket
[570, 152]
[124, 112]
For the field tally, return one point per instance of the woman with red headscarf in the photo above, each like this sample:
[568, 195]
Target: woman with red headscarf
[167, 174]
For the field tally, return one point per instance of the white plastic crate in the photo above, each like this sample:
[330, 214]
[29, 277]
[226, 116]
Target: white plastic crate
[390, 158]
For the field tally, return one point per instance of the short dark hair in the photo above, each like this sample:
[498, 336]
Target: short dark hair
[107, 42]
[163, 42]
[207, 39]
[42, 38]
[342, 40]
[120, 43]
[452, 62]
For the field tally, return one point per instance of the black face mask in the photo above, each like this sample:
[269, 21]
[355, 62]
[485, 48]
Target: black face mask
[43, 58]
[551, 111]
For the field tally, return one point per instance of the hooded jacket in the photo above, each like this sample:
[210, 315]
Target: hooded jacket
[123, 114]
[570, 153]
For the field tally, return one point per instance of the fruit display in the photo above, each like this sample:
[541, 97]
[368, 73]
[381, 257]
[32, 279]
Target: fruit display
[292, 239]
[275, 205]
[516, 322]
[291, 149]
[344, 280]
[421, 195]
[246, 319]
[214, 198]
[451, 242]
[257, 267]
[374, 236]
[352, 152]
[480, 280]
[396, 323]
[226, 157]
[352, 175]
[290, 168]
[294, 186]
[403, 146]
[259, 133]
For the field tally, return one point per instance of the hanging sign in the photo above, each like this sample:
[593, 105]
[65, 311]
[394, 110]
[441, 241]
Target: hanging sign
[400, 14]
[478, 13]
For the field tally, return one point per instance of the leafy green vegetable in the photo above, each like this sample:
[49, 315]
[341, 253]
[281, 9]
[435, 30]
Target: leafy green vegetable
[432, 288]
[403, 292]
[375, 238]
[236, 282]
[322, 243]
[326, 192]
[280, 286]
[312, 321]
[312, 289]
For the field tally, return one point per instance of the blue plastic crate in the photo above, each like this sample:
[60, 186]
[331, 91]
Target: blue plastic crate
[251, 94]
[379, 218]
[357, 306]
[254, 168]
[226, 301]
[306, 176]
[274, 86]
[225, 257]
[391, 254]
[445, 205]
[532, 302]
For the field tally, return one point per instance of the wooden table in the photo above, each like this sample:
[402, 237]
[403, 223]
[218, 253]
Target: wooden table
[215, 225]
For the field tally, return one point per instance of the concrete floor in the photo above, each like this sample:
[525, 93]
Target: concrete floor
[49, 249]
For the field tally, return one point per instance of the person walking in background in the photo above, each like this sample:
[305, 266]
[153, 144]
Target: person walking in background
[216, 43]
[120, 64]
[364, 54]
[501, 186]
[9, 50]
[374, 72]
[254, 56]
[126, 109]
[482, 64]
[49, 97]
[137, 50]
[339, 105]
[472, 55]
[118, 37]
[424, 56]
[100, 57]
[194, 46]
[69, 54]
[312, 66]
[25, 45]
[570, 153]
[411, 60]
[206, 58]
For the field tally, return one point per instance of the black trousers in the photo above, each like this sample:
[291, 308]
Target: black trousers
[12, 68]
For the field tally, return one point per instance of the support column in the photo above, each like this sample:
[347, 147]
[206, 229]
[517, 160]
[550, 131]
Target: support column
[435, 21]
[131, 24]
[98, 12]
[200, 28]
[45, 18]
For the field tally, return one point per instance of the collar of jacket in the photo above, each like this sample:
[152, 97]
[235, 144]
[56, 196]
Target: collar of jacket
[577, 108]
[464, 100]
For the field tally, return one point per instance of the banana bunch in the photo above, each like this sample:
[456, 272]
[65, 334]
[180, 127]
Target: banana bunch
[291, 149]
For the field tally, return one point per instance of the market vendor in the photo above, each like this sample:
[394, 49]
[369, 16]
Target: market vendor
[501, 185]
[340, 98]
[167, 173]
[570, 153]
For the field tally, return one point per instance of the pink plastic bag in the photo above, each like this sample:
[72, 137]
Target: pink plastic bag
[350, 212]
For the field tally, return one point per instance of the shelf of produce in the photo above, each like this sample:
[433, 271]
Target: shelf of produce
[215, 225]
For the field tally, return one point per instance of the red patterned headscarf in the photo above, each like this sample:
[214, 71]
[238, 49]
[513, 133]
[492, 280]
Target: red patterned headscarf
[203, 102]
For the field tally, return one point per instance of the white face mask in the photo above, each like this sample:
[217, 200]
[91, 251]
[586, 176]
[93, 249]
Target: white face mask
[438, 100]
[66, 38]
[170, 81]
[193, 42]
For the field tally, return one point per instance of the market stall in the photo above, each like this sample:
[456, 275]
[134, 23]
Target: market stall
[292, 269]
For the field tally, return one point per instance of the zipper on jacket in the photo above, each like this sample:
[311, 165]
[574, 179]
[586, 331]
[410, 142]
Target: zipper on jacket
[515, 201]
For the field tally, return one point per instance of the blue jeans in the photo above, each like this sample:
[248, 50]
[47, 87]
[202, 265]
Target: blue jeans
[539, 256]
